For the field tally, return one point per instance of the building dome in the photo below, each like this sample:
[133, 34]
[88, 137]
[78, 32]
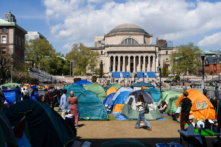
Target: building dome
[127, 27]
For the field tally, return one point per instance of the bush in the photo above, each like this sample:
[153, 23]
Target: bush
[94, 79]
[33, 81]
[77, 79]
[177, 77]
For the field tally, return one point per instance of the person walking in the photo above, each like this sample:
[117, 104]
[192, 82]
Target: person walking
[186, 105]
[204, 91]
[63, 102]
[217, 92]
[141, 110]
[73, 101]
[34, 94]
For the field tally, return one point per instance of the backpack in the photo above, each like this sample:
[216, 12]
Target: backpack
[146, 108]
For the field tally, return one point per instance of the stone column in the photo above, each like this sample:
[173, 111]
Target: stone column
[154, 64]
[148, 66]
[134, 64]
[118, 64]
[144, 63]
[139, 63]
[124, 65]
[128, 63]
[114, 63]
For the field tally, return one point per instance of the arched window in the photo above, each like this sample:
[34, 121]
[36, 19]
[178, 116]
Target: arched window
[129, 41]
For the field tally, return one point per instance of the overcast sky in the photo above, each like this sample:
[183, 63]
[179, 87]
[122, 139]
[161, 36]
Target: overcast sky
[64, 22]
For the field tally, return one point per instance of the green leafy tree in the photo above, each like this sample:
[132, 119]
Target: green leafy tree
[185, 58]
[20, 73]
[83, 58]
[165, 71]
[211, 72]
[177, 77]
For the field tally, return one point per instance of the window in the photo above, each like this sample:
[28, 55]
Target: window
[166, 52]
[129, 41]
[3, 39]
[3, 30]
[3, 50]
[101, 52]
[16, 39]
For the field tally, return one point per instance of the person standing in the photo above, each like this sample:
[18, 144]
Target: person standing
[217, 92]
[34, 94]
[47, 97]
[204, 91]
[186, 105]
[141, 110]
[73, 101]
[17, 94]
[54, 98]
[63, 102]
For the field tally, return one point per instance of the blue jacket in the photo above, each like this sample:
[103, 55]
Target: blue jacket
[35, 96]
[17, 92]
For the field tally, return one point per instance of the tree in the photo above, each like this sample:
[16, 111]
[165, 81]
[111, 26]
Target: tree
[83, 58]
[6, 62]
[186, 58]
[167, 71]
[211, 72]
[20, 74]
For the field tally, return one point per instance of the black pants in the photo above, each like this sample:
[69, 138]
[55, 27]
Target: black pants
[184, 118]
[53, 102]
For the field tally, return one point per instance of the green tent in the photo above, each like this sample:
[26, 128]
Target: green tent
[6, 133]
[171, 105]
[11, 84]
[96, 88]
[91, 107]
[115, 85]
[140, 84]
[125, 143]
[107, 87]
[130, 111]
[36, 124]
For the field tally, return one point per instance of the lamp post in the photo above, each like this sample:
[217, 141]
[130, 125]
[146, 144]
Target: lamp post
[143, 76]
[183, 79]
[11, 73]
[203, 56]
[160, 76]
[206, 78]
[124, 81]
[127, 80]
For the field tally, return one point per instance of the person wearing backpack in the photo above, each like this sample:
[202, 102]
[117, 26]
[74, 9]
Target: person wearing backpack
[142, 108]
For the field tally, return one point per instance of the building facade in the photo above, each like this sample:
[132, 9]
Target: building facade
[129, 48]
[12, 38]
[213, 64]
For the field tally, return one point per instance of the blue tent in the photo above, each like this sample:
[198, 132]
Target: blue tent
[91, 107]
[140, 84]
[155, 94]
[9, 96]
[121, 98]
[82, 82]
[108, 99]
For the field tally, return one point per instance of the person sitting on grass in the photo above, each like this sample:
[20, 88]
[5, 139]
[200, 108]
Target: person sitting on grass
[163, 107]
[141, 110]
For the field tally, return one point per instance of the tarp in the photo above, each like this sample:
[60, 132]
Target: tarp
[11, 84]
[117, 86]
[146, 95]
[108, 99]
[111, 90]
[117, 93]
[82, 82]
[196, 96]
[96, 88]
[38, 124]
[6, 132]
[130, 111]
[107, 87]
[125, 143]
[120, 100]
[9, 96]
[140, 84]
[155, 94]
[91, 107]
[33, 87]
[142, 88]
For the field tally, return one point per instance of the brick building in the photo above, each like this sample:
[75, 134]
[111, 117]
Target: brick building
[12, 38]
[213, 64]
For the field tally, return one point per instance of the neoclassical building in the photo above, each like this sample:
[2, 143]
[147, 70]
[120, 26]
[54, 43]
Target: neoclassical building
[129, 48]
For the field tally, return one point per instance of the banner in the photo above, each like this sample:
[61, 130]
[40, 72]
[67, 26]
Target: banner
[201, 105]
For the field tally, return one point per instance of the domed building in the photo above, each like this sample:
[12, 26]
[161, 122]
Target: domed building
[129, 49]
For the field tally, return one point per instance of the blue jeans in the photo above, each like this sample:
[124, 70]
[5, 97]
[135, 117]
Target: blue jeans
[58, 100]
[141, 117]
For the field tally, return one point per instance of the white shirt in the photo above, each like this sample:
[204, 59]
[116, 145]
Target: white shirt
[139, 105]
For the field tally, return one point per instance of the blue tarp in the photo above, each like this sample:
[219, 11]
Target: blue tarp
[33, 87]
[9, 96]
[116, 74]
[91, 107]
[121, 98]
[151, 75]
[82, 82]
[141, 74]
[126, 75]
[120, 117]
[140, 84]
[155, 94]
[108, 99]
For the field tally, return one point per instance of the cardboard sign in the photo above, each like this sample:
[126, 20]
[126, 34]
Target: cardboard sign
[201, 105]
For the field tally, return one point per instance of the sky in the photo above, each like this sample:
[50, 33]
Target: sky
[65, 22]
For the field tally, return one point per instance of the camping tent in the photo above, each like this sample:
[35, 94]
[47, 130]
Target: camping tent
[82, 82]
[111, 90]
[147, 96]
[117, 93]
[96, 88]
[199, 112]
[35, 124]
[108, 99]
[120, 100]
[130, 111]
[91, 107]
[169, 94]
[155, 94]
[125, 143]
[6, 133]
[117, 86]
[140, 84]
[11, 84]
[107, 87]
[9, 96]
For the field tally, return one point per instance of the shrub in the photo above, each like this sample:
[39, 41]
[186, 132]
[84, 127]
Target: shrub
[177, 77]
[94, 79]
[77, 79]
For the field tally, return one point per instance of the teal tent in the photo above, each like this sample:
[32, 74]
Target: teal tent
[96, 88]
[6, 133]
[107, 87]
[125, 143]
[140, 84]
[91, 107]
[35, 124]
[155, 94]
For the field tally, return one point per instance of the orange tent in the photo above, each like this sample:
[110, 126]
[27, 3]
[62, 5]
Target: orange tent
[142, 88]
[118, 108]
[111, 90]
[197, 97]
